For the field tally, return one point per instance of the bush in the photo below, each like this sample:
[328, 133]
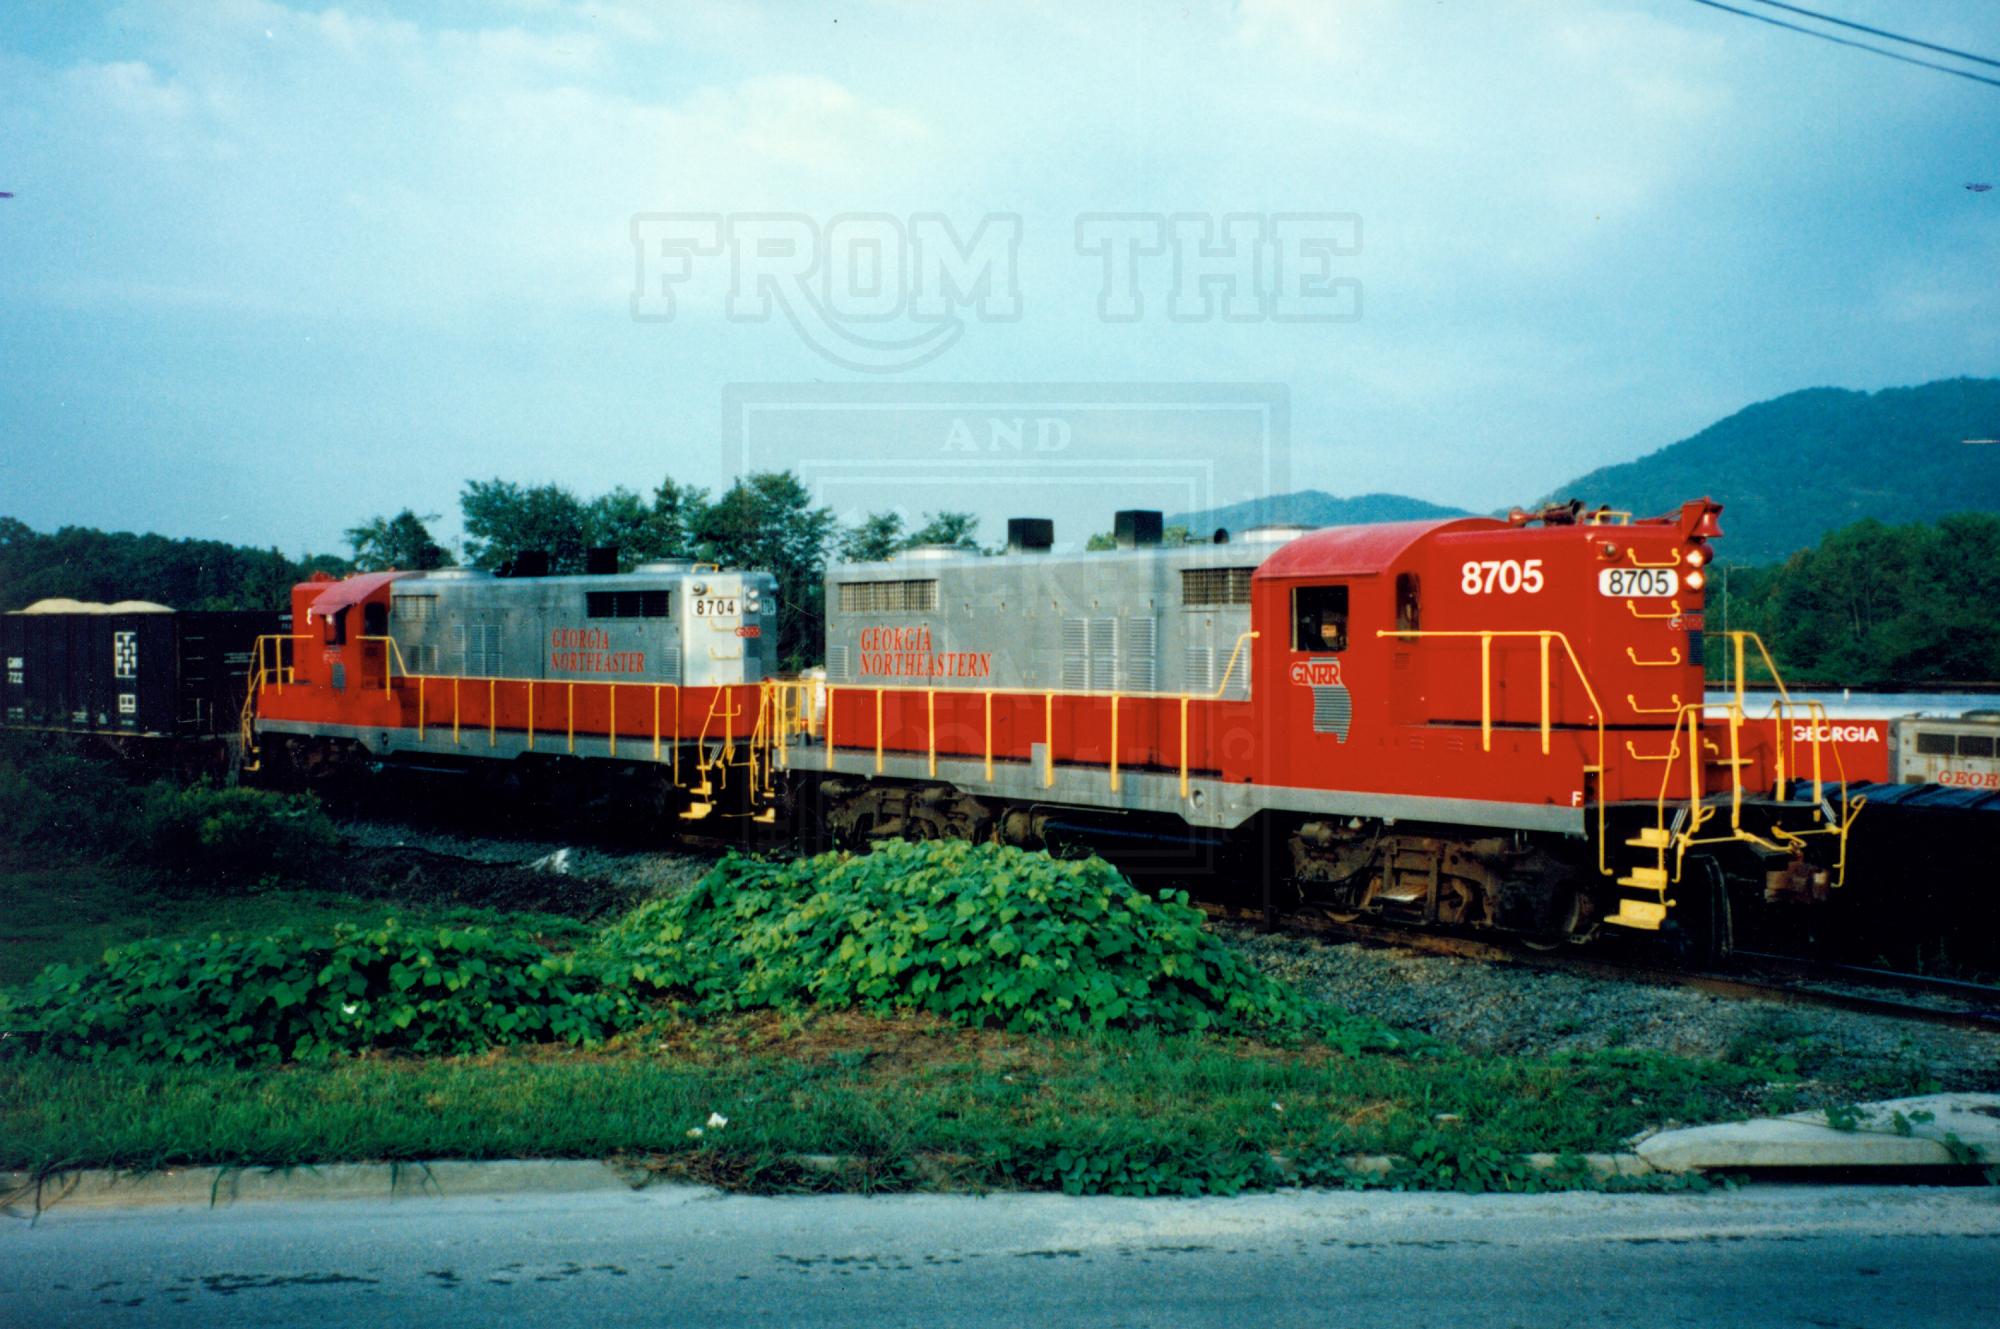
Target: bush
[52, 798]
[979, 934]
[300, 996]
[233, 834]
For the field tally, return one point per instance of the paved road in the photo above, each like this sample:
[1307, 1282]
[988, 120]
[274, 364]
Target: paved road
[1766, 1257]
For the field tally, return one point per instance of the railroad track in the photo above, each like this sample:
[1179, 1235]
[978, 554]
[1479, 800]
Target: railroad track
[1784, 978]
[1803, 982]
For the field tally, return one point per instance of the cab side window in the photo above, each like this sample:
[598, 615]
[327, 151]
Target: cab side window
[1319, 618]
[1407, 617]
[375, 619]
[336, 628]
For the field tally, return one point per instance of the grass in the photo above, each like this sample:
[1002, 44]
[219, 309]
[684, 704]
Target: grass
[70, 910]
[904, 1102]
[908, 1102]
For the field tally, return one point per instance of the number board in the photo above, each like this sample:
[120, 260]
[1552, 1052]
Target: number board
[716, 606]
[1639, 583]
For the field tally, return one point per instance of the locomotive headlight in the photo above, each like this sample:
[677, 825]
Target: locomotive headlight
[1696, 581]
[1697, 557]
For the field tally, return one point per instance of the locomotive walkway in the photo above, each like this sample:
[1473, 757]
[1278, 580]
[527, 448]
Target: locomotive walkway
[1764, 1256]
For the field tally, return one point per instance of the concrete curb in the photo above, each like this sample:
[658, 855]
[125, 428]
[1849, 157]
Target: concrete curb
[1955, 1132]
[1935, 1135]
[21, 1193]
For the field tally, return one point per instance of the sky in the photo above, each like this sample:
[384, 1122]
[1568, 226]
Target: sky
[271, 269]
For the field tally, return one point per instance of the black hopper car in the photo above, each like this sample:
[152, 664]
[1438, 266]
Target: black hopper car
[140, 678]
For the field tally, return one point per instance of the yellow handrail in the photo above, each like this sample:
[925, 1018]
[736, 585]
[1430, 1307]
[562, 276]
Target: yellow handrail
[1546, 635]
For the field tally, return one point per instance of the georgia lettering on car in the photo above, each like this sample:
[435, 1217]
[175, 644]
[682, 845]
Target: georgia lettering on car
[587, 651]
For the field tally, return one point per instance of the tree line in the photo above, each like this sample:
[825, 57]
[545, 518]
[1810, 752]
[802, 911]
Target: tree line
[1875, 604]
[766, 520]
[1871, 604]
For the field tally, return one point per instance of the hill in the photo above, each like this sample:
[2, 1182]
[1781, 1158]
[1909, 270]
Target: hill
[1791, 469]
[1311, 507]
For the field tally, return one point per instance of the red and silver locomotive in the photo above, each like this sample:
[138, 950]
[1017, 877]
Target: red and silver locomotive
[1472, 721]
[1476, 722]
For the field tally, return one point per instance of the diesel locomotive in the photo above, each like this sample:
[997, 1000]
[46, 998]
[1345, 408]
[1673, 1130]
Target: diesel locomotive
[1477, 722]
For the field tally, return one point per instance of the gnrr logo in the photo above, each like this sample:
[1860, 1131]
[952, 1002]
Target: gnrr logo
[1333, 708]
[860, 270]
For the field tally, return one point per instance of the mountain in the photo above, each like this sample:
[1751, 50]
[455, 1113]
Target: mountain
[1311, 507]
[1791, 469]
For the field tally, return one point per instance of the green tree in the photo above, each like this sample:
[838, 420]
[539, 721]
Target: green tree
[955, 530]
[873, 539]
[402, 541]
[502, 519]
[87, 564]
[768, 520]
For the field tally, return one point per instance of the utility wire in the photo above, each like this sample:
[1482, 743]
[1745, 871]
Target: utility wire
[1881, 32]
[1844, 41]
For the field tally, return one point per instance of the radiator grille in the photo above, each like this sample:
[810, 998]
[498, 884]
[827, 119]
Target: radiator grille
[888, 597]
[1215, 586]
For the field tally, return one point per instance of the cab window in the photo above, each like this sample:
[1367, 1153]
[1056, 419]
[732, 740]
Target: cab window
[1319, 618]
[336, 628]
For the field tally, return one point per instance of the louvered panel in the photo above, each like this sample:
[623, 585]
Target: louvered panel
[1239, 678]
[1103, 654]
[1139, 650]
[837, 666]
[670, 663]
[1197, 676]
[1333, 711]
[1076, 653]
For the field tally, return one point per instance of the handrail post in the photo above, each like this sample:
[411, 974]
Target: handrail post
[1114, 742]
[454, 711]
[930, 729]
[492, 712]
[829, 726]
[420, 707]
[1545, 693]
[531, 714]
[1486, 691]
[1048, 739]
[989, 735]
[611, 725]
[878, 731]
[569, 711]
[656, 722]
[1184, 748]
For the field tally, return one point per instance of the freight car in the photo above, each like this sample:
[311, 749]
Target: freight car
[1473, 722]
[649, 683]
[140, 677]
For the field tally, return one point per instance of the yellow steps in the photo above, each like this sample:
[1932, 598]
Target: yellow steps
[1646, 879]
[1652, 837]
[1639, 914]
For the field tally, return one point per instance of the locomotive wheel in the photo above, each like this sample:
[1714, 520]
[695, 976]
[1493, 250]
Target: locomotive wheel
[1566, 923]
[1705, 935]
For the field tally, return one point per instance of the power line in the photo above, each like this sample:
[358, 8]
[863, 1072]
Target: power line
[1844, 41]
[1881, 32]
